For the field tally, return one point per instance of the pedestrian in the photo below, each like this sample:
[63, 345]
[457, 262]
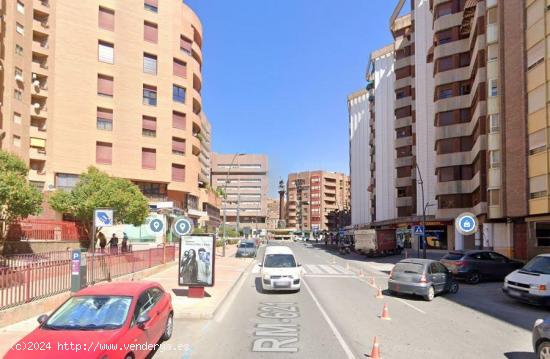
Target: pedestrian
[102, 242]
[113, 243]
[124, 246]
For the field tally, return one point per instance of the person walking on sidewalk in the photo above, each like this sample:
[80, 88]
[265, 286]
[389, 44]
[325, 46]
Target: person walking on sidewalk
[102, 242]
[124, 246]
[113, 243]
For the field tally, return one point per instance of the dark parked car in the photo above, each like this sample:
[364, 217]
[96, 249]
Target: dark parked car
[246, 249]
[476, 265]
[422, 277]
[541, 338]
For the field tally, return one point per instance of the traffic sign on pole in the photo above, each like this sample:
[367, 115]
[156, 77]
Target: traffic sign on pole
[466, 223]
[419, 230]
[103, 217]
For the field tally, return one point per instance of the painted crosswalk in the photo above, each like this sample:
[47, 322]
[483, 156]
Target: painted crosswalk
[319, 270]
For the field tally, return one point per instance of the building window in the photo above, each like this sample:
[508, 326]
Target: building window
[149, 95]
[186, 45]
[538, 186]
[151, 5]
[178, 120]
[445, 93]
[178, 93]
[537, 142]
[542, 232]
[18, 50]
[178, 173]
[16, 118]
[104, 153]
[104, 120]
[106, 52]
[444, 37]
[494, 123]
[148, 158]
[180, 68]
[494, 197]
[493, 88]
[150, 64]
[465, 88]
[19, 29]
[149, 126]
[105, 85]
[106, 19]
[17, 141]
[178, 146]
[445, 63]
[444, 9]
[494, 159]
[20, 7]
[535, 55]
[66, 180]
[150, 32]
[492, 52]
[18, 95]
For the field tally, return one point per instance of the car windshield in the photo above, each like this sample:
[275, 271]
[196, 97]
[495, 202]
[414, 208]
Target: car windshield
[279, 261]
[91, 313]
[538, 265]
[413, 268]
[246, 245]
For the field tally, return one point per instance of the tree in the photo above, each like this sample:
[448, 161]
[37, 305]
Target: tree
[18, 199]
[199, 230]
[96, 189]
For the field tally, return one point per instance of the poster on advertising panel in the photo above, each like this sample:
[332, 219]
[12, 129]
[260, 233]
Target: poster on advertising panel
[196, 261]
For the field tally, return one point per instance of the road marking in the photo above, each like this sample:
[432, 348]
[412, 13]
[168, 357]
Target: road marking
[328, 269]
[314, 269]
[410, 305]
[342, 269]
[341, 340]
[256, 268]
[229, 300]
[329, 275]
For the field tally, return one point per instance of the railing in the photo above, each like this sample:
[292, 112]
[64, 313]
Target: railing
[26, 278]
[46, 230]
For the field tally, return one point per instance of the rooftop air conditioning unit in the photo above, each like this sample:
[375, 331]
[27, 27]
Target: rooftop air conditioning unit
[19, 78]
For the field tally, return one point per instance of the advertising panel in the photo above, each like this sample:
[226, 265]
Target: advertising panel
[196, 261]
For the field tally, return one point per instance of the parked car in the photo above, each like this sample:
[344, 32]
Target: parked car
[246, 249]
[280, 270]
[530, 284]
[541, 338]
[108, 315]
[376, 242]
[476, 265]
[423, 277]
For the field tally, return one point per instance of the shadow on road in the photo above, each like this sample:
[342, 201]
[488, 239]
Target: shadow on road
[520, 355]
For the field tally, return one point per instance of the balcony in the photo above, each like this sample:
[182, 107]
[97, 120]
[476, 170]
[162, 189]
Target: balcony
[41, 26]
[40, 66]
[404, 201]
[37, 132]
[39, 110]
[41, 6]
[39, 88]
[37, 175]
[403, 181]
[403, 141]
[40, 47]
[36, 153]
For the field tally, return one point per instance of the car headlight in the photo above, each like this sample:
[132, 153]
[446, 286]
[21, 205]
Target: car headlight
[538, 322]
[541, 287]
[267, 277]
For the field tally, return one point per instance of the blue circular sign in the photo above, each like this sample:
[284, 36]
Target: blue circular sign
[466, 223]
[183, 226]
[156, 226]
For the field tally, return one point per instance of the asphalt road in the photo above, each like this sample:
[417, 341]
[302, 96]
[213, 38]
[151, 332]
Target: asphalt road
[336, 315]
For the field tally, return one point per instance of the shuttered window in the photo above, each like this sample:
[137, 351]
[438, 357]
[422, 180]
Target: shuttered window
[180, 68]
[151, 5]
[104, 153]
[150, 32]
[178, 120]
[178, 146]
[537, 141]
[149, 126]
[186, 45]
[538, 184]
[178, 173]
[535, 55]
[536, 99]
[104, 119]
[106, 52]
[104, 85]
[106, 19]
[150, 64]
[148, 158]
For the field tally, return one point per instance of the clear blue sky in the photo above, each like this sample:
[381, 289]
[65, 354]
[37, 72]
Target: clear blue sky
[277, 73]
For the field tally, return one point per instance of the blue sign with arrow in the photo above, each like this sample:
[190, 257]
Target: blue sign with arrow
[103, 218]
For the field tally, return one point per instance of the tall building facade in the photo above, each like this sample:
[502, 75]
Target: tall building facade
[244, 179]
[104, 83]
[312, 196]
[272, 218]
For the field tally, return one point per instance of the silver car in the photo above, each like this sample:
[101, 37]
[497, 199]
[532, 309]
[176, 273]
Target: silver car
[541, 338]
[246, 249]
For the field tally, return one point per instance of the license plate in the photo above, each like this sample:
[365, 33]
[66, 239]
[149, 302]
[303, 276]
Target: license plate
[281, 284]
[514, 293]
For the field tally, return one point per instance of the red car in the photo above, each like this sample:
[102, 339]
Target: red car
[106, 321]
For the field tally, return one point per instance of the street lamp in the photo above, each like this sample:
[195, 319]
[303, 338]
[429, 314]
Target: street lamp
[225, 201]
[424, 206]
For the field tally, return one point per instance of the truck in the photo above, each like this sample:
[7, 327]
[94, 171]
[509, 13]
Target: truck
[380, 242]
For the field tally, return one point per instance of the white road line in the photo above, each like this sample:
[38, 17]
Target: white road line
[329, 275]
[410, 305]
[341, 340]
[313, 269]
[328, 269]
[342, 269]
[229, 300]
[256, 269]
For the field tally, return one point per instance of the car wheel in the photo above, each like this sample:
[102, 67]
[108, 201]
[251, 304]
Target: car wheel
[543, 350]
[169, 328]
[431, 294]
[474, 278]
[453, 288]
[129, 356]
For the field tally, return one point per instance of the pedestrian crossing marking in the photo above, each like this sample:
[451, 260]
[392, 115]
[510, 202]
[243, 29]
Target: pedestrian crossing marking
[318, 270]
[342, 269]
[328, 269]
[313, 269]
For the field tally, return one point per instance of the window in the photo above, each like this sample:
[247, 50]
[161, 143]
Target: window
[492, 15]
[445, 63]
[104, 119]
[148, 158]
[180, 68]
[178, 146]
[16, 141]
[465, 88]
[444, 37]
[535, 55]
[494, 159]
[178, 93]
[18, 50]
[186, 45]
[149, 126]
[492, 52]
[150, 64]
[493, 87]
[106, 19]
[178, 120]
[106, 52]
[494, 123]
[542, 232]
[66, 180]
[19, 29]
[536, 99]
[445, 93]
[17, 118]
[104, 153]
[538, 185]
[105, 85]
[149, 95]
[17, 94]
[537, 141]
[494, 197]
[151, 5]
[150, 32]
[444, 9]
[178, 173]
[20, 7]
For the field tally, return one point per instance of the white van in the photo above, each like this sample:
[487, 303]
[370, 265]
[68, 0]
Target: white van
[280, 270]
[530, 284]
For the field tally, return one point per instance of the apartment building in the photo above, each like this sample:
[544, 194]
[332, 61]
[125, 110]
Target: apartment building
[272, 218]
[313, 196]
[114, 85]
[244, 179]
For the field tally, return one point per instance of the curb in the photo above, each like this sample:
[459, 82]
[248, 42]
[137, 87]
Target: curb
[251, 264]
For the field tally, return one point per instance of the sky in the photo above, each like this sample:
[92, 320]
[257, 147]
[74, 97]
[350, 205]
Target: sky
[277, 73]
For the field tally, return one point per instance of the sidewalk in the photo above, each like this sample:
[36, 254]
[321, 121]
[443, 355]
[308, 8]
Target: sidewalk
[228, 271]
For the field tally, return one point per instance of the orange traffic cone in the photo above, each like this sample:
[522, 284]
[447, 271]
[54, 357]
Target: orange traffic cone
[385, 313]
[379, 294]
[375, 353]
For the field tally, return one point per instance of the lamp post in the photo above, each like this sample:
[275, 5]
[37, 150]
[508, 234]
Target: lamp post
[424, 206]
[225, 201]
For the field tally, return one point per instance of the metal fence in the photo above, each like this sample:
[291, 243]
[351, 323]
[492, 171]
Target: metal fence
[46, 230]
[25, 278]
